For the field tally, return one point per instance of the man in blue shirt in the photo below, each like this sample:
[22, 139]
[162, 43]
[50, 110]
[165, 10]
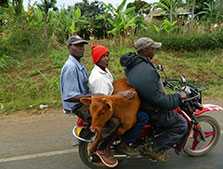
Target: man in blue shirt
[74, 77]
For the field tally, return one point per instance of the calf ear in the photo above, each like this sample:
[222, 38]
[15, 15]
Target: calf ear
[85, 100]
[109, 105]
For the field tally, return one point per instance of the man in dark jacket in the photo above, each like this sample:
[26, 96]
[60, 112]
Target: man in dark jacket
[142, 74]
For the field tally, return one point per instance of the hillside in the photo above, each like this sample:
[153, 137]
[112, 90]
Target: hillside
[34, 80]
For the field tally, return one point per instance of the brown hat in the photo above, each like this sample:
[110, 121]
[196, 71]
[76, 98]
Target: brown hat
[144, 42]
[73, 40]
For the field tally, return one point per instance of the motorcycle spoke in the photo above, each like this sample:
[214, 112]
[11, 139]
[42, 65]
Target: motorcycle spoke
[209, 134]
[194, 144]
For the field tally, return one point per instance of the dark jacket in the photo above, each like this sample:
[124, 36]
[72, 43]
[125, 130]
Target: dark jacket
[142, 75]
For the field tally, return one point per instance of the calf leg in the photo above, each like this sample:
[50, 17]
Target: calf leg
[126, 125]
[123, 128]
[121, 131]
[110, 127]
[108, 131]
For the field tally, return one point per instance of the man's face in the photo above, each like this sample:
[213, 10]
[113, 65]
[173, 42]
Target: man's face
[149, 52]
[104, 60]
[77, 50]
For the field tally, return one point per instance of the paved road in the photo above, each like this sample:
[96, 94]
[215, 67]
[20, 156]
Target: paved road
[44, 141]
[71, 161]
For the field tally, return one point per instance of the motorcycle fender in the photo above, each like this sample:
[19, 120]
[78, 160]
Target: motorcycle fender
[76, 133]
[208, 108]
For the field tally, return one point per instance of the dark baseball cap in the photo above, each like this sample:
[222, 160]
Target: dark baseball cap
[73, 40]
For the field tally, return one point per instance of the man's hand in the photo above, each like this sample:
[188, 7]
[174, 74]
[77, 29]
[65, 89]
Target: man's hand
[129, 94]
[183, 95]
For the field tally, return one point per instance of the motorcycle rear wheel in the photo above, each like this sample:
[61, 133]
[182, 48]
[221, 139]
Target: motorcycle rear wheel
[211, 135]
[92, 161]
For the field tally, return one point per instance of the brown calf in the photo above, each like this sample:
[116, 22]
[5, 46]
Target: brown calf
[102, 108]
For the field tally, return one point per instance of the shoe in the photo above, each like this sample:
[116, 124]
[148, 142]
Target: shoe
[128, 149]
[106, 158]
[75, 142]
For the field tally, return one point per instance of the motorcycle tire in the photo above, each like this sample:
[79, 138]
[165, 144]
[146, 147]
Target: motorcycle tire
[91, 161]
[211, 144]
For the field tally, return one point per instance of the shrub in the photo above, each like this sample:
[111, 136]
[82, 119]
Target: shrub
[189, 41]
[5, 62]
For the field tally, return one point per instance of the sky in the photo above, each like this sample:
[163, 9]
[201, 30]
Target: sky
[65, 3]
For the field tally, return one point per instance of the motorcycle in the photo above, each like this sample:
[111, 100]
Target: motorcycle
[202, 136]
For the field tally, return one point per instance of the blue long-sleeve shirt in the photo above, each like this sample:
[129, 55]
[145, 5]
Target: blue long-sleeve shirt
[73, 82]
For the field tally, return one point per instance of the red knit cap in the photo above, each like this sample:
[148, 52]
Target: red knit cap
[97, 51]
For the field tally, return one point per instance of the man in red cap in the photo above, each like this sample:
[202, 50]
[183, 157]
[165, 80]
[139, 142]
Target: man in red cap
[100, 82]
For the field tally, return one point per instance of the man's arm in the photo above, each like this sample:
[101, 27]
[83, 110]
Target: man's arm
[147, 82]
[129, 94]
[160, 98]
[76, 98]
[71, 91]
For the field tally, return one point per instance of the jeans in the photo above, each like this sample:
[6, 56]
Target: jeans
[170, 127]
[134, 133]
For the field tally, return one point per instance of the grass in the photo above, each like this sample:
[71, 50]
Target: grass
[35, 80]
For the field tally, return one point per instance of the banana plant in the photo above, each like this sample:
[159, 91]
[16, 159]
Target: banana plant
[35, 17]
[166, 26]
[210, 10]
[76, 15]
[169, 7]
[124, 20]
[66, 22]
[73, 21]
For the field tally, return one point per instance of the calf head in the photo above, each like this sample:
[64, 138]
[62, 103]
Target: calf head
[101, 111]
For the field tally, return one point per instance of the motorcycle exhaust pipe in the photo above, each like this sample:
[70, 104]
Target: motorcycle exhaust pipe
[120, 156]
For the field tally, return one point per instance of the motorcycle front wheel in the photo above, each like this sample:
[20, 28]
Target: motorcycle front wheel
[195, 146]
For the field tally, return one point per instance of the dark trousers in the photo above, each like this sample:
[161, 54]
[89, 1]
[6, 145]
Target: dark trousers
[82, 111]
[170, 127]
[133, 134]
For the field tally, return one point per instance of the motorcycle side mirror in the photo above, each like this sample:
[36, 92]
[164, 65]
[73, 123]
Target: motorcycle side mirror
[183, 79]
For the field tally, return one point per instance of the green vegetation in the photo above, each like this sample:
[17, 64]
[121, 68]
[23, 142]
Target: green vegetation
[35, 81]
[33, 49]
[189, 42]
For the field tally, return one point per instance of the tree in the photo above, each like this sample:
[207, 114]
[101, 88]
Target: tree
[141, 7]
[18, 6]
[219, 7]
[212, 10]
[4, 3]
[97, 18]
[169, 7]
[198, 6]
[125, 20]
[46, 5]
[90, 9]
